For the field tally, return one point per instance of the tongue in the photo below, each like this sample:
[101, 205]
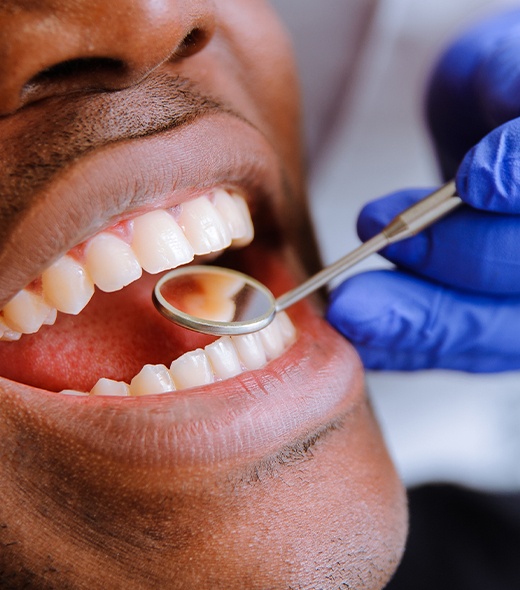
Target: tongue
[114, 336]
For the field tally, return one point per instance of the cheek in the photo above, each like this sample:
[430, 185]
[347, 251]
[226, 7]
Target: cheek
[336, 515]
[267, 69]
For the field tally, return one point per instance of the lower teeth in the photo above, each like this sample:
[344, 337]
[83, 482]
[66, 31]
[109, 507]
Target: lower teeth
[222, 359]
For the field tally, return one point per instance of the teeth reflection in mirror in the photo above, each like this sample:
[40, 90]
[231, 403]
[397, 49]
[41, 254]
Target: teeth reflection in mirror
[67, 286]
[223, 358]
[159, 243]
[250, 350]
[152, 379]
[26, 312]
[111, 263]
[110, 387]
[201, 302]
[235, 213]
[192, 369]
[203, 226]
[6, 333]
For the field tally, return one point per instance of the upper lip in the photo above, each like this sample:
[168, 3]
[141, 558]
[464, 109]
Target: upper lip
[111, 175]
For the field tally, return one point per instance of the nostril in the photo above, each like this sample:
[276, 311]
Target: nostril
[80, 68]
[91, 73]
[107, 61]
[193, 42]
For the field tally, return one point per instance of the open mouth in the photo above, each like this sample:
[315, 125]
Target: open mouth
[110, 261]
[114, 365]
[84, 323]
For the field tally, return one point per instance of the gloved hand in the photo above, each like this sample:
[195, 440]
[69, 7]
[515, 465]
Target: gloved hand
[454, 300]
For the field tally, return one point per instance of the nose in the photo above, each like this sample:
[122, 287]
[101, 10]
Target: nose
[54, 47]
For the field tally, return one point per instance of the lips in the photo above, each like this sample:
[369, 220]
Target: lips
[122, 332]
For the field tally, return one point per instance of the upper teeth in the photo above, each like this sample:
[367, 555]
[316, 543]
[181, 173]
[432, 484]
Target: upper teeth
[155, 241]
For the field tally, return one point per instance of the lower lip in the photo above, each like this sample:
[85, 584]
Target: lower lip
[252, 415]
[316, 381]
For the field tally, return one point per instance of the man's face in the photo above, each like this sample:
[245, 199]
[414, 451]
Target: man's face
[132, 135]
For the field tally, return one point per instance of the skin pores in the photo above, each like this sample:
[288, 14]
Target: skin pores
[274, 478]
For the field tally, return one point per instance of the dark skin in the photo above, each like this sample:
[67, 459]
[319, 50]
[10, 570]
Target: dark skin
[276, 478]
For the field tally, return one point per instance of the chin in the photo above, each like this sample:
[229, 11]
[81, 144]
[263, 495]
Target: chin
[134, 453]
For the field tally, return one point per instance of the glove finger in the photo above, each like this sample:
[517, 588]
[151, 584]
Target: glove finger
[489, 176]
[400, 322]
[470, 250]
[474, 87]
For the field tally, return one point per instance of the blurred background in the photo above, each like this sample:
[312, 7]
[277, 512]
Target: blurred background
[364, 65]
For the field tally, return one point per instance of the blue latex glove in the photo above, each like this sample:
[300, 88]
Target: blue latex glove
[456, 304]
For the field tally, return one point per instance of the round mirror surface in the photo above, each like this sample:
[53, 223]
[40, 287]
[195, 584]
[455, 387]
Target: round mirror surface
[214, 300]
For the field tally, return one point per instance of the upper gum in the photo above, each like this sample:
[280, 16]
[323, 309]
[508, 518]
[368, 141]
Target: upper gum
[123, 228]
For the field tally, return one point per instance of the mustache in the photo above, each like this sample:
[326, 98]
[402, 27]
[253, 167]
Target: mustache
[36, 151]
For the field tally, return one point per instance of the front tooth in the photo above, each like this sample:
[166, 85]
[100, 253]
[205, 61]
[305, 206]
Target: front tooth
[26, 312]
[235, 213]
[51, 317]
[250, 350]
[67, 286]
[203, 226]
[7, 334]
[223, 358]
[111, 263]
[152, 379]
[191, 370]
[110, 387]
[159, 243]
[272, 340]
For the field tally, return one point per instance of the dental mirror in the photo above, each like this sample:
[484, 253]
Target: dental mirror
[219, 301]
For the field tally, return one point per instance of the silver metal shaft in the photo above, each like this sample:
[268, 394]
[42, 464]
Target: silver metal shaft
[408, 223]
